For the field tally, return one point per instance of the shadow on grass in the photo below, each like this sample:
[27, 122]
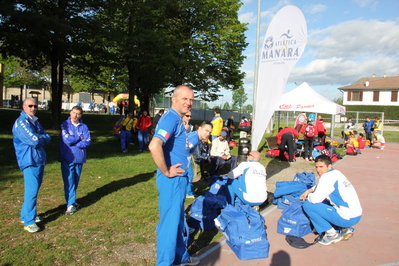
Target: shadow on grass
[271, 170]
[98, 194]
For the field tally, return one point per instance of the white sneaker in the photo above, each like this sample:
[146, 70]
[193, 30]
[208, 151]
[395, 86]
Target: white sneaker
[191, 261]
[33, 228]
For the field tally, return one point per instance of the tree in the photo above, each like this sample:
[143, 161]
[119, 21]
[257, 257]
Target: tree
[226, 106]
[239, 98]
[249, 108]
[46, 33]
[339, 100]
[170, 42]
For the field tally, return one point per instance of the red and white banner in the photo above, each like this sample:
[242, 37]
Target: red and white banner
[284, 44]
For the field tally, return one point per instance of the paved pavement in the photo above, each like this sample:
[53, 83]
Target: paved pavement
[375, 175]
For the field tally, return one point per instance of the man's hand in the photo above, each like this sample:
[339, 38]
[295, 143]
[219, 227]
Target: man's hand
[305, 194]
[174, 170]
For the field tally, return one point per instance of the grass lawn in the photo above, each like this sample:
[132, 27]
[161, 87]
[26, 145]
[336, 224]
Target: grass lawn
[117, 191]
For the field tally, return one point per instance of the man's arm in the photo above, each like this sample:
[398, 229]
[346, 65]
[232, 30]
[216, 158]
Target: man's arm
[156, 150]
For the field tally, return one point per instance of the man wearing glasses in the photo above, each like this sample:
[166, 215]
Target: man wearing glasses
[248, 181]
[29, 141]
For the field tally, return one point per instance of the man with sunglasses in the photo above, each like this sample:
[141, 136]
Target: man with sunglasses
[29, 141]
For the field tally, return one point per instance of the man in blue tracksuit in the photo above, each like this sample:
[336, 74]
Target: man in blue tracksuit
[29, 141]
[74, 138]
[332, 203]
[194, 139]
[169, 149]
[368, 126]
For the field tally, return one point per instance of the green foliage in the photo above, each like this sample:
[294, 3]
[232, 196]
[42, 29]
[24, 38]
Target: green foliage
[390, 112]
[239, 98]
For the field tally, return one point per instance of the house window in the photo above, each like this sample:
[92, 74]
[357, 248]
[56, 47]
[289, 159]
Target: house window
[355, 96]
[394, 96]
[376, 96]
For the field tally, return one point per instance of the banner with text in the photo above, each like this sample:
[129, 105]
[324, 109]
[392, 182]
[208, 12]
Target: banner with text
[284, 44]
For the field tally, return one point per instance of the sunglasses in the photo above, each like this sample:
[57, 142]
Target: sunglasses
[31, 105]
[188, 115]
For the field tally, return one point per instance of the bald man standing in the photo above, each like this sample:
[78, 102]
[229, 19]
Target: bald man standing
[170, 152]
[248, 181]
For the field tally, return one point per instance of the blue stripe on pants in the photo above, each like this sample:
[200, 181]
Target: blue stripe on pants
[33, 177]
[171, 248]
[324, 216]
[71, 176]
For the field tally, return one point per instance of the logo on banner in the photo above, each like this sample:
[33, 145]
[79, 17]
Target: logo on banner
[281, 48]
[285, 106]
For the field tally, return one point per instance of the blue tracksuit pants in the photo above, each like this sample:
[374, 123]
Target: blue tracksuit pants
[324, 217]
[71, 176]
[33, 177]
[171, 248]
[126, 137]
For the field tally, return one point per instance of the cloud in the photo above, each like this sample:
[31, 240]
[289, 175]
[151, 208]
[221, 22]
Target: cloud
[341, 72]
[364, 3]
[248, 17]
[313, 9]
[355, 38]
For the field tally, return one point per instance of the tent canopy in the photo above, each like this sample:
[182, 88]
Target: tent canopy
[305, 99]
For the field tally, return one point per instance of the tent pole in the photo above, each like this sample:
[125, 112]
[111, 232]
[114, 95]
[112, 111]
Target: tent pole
[332, 126]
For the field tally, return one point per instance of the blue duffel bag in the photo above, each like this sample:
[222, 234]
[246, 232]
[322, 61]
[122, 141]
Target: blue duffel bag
[293, 221]
[245, 232]
[205, 209]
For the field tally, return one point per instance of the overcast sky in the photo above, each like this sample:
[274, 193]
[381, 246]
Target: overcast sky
[347, 40]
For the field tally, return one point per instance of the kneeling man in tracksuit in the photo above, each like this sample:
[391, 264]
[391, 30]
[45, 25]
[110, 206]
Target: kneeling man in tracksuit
[333, 203]
[248, 181]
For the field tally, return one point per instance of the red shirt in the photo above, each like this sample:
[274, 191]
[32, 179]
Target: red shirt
[286, 130]
[144, 123]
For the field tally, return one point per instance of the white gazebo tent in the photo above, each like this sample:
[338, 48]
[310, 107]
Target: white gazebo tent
[305, 99]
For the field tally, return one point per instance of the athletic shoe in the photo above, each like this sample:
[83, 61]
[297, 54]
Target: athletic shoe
[191, 261]
[311, 159]
[77, 205]
[33, 228]
[330, 239]
[190, 197]
[306, 160]
[71, 210]
[38, 219]
[256, 208]
[347, 233]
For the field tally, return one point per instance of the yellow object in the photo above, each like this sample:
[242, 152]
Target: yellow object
[124, 96]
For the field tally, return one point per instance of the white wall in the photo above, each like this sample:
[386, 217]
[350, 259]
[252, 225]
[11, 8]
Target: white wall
[385, 99]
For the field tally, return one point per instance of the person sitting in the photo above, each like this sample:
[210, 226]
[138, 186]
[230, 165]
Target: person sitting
[362, 141]
[285, 138]
[220, 151]
[203, 158]
[333, 203]
[378, 141]
[248, 181]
